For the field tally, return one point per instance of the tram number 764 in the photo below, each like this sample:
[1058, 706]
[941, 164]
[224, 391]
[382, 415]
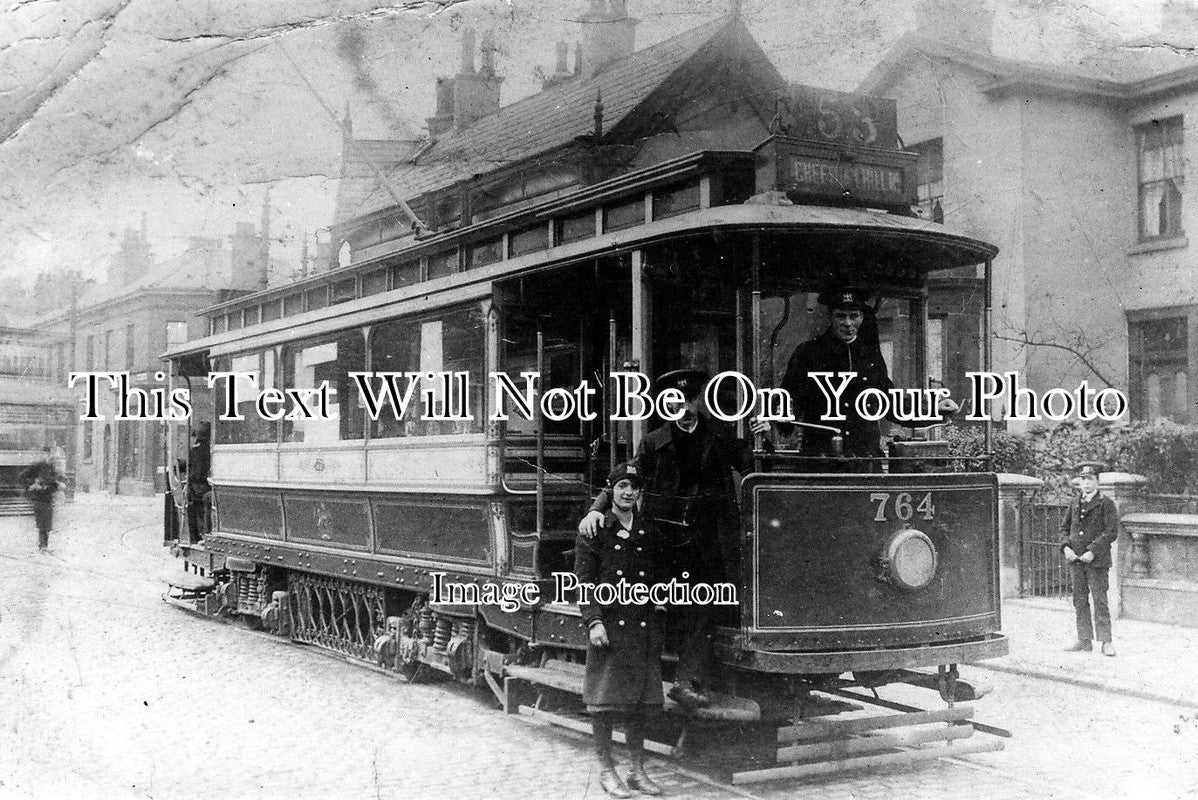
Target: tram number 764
[902, 506]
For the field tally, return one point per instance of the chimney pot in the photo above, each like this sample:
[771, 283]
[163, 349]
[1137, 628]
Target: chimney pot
[607, 36]
[468, 51]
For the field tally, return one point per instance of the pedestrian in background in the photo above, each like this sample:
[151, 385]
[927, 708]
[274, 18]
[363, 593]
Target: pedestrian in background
[623, 672]
[41, 481]
[1090, 526]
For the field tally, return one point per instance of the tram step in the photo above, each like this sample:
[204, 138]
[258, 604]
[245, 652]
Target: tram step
[568, 677]
[189, 582]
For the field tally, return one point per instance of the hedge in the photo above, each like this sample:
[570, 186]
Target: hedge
[1166, 453]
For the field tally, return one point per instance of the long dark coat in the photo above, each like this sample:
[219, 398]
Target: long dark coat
[1091, 526]
[711, 516]
[628, 670]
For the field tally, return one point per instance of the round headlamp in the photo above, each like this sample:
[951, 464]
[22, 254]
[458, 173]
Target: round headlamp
[909, 559]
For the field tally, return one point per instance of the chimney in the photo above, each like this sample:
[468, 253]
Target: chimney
[245, 251]
[608, 34]
[967, 24]
[560, 72]
[470, 95]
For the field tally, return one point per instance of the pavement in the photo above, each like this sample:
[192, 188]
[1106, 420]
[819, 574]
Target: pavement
[1154, 661]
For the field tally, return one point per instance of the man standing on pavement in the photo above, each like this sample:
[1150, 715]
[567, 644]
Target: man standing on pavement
[689, 493]
[1090, 526]
[41, 481]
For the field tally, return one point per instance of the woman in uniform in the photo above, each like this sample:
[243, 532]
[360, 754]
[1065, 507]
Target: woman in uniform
[623, 675]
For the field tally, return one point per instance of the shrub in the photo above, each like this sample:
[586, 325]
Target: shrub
[1166, 453]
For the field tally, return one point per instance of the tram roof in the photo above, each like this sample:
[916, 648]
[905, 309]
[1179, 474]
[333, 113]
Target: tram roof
[830, 236]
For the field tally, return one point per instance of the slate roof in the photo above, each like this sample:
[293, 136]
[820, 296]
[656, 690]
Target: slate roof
[357, 178]
[545, 120]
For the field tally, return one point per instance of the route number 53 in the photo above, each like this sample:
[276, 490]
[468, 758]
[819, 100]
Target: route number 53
[902, 506]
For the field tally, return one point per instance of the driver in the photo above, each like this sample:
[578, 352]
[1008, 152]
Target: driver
[849, 345]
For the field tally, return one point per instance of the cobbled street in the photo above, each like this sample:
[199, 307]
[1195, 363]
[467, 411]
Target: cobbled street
[107, 691]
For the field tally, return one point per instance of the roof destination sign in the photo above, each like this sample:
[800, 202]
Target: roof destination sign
[819, 172]
[836, 147]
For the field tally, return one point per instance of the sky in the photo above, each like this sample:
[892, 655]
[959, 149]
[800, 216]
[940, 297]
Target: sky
[185, 111]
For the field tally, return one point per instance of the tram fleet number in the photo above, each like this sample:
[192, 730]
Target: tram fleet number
[904, 506]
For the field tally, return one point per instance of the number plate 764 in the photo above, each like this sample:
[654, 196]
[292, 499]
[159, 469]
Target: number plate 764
[903, 506]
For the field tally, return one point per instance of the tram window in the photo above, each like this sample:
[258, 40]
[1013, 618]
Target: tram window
[531, 240]
[220, 323]
[252, 429]
[562, 363]
[577, 227]
[484, 253]
[308, 364]
[271, 309]
[624, 215]
[674, 200]
[374, 282]
[405, 274]
[234, 320]
[442, 264]
[452, 343]
[344, 291]
[317, 297]
[293, 304]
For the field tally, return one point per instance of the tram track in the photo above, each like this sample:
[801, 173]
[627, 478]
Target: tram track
[672, 771]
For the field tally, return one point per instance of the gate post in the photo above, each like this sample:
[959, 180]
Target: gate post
[1127, 490]
[1013, 518]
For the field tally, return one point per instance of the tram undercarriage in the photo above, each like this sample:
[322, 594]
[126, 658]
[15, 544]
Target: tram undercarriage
[782, 725]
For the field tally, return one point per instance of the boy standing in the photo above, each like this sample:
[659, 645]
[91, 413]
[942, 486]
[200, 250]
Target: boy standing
[623, 672]
[1089, 527]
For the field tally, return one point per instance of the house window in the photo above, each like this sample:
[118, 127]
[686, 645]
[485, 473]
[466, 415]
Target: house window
[1162, 177]
[107, 350]
[129, 346]
[929, 179]
[90, 351]
[1160, 368]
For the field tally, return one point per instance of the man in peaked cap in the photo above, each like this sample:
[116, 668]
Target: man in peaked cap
[841, 348]
[1089, 527]
[689, 493]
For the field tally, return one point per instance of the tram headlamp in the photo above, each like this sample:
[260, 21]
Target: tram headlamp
[909, 559]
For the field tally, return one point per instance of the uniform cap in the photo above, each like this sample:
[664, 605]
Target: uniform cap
[626, 470]
[689, 381]
[1087, 469]
[844, 297]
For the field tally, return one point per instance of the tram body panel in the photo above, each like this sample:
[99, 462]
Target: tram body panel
[819, 574]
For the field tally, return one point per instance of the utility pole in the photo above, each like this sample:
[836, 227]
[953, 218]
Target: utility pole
[264, 248]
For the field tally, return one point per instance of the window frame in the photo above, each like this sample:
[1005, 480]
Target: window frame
[1140, 133]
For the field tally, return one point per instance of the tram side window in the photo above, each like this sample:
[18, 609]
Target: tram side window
[253, 429]
[308, 364]
[562, 367]
[452, 342]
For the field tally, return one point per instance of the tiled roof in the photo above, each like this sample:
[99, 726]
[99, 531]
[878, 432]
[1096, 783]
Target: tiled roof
[545, 120]
[357, 178]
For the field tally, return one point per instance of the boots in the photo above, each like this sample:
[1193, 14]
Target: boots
[639, 779]
[611, 783]
[1079, 646]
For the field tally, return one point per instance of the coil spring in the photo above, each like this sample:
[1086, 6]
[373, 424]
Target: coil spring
[464, 629]
[444, 632]
[427, 625]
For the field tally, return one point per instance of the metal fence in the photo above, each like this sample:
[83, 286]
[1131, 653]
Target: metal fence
[1043, 569]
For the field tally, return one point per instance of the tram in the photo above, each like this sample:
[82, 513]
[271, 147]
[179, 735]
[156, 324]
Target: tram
[860, 572]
